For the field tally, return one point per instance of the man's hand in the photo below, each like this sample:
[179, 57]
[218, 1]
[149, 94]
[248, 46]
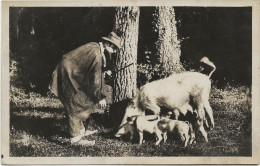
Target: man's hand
[102, 104]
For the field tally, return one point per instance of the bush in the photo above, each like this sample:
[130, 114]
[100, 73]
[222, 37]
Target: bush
[148, 73]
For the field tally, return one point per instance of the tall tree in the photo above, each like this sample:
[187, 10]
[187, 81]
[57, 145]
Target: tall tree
[126, 26]
[167, 46]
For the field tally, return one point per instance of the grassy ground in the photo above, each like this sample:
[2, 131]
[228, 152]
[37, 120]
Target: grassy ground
[37, 129]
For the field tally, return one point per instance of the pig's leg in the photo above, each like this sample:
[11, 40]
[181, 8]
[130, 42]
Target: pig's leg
[141, 137]
[164, 136]
[131, 136]
[210, 112]
[201, 114]
[176, 113]
[204, 118]
[192, 134]
[206, 123]
[159, 136]
[205, 101]
[204, 133]
[181, 134]
[186, 139]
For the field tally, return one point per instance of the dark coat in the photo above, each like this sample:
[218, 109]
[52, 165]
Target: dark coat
[78, 79]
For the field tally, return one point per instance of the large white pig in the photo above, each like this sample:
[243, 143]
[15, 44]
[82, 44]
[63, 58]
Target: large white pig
[173, 92]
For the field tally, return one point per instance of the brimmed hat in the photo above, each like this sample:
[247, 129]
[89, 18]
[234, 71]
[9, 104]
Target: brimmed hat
[113, 38]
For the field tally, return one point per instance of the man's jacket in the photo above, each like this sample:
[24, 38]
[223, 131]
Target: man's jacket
[78, 80]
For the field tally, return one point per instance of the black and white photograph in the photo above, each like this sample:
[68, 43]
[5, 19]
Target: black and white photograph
[103, 82]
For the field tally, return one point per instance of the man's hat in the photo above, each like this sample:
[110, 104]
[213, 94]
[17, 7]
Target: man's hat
[113, 38]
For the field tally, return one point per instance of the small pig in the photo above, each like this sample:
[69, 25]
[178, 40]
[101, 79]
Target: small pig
[141, 124]
[175, 126]
[195, 121]
[126, 129]
[196, 124]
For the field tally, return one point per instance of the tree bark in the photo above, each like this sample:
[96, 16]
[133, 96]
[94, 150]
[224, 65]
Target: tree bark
[126, 26]
[167, 46]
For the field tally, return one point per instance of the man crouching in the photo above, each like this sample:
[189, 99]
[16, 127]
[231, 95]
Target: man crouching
[79, 82]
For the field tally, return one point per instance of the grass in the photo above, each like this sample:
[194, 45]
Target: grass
[37, 129]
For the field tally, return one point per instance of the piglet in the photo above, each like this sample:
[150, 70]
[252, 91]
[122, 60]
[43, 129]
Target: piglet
[175, 126]
[141, 124]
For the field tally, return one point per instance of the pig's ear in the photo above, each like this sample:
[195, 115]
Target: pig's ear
[131, 119]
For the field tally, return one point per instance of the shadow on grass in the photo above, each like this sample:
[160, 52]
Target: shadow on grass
[52, 127]
[44, 127]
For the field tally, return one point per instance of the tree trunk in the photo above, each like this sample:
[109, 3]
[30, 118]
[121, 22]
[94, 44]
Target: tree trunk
[126, 26]
[167, 46]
